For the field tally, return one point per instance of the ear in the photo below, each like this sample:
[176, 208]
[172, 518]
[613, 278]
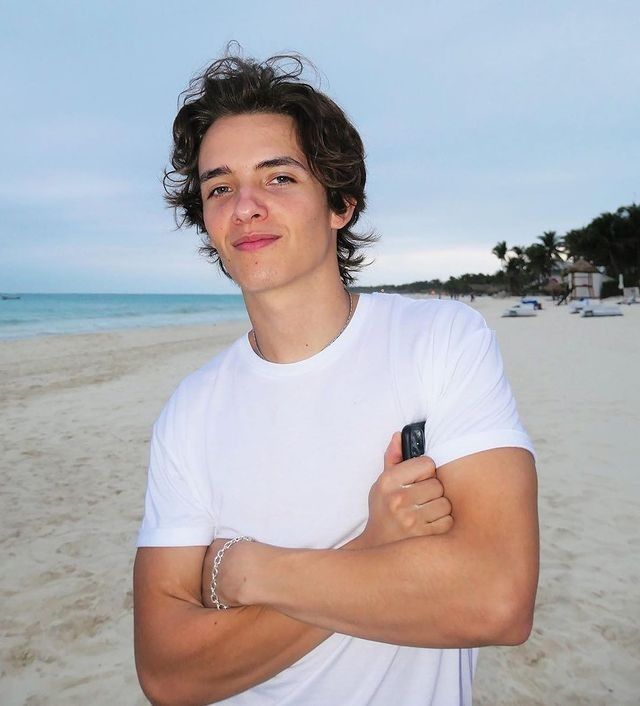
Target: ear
[340, 220]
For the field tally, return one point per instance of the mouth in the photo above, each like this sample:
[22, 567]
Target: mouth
[255, 241]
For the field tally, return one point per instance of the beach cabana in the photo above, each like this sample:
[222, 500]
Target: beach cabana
[584, 280]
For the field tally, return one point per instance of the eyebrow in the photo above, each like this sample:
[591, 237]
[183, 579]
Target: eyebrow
[283, 161]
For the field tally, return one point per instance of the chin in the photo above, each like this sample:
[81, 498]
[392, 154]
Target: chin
[257, 282]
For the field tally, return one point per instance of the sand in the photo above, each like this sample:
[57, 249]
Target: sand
[75, 416]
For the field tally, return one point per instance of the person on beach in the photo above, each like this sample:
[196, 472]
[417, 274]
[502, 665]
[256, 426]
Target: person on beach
[288, 555]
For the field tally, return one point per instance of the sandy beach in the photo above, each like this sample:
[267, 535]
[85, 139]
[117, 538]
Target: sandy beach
[75, 418]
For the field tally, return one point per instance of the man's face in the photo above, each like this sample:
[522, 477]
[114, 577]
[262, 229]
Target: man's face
[265, 213]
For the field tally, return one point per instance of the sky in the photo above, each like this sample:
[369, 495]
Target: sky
[482, 120]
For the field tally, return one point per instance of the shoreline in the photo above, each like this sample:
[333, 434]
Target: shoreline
[123, 329]
[59, 314]
[238, 317]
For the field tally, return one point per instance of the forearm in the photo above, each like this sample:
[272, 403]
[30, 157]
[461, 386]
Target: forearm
[209, 655]
[474, 585]
[429, 591]
[189, 654]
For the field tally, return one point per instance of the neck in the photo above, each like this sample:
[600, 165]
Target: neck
[293, 325]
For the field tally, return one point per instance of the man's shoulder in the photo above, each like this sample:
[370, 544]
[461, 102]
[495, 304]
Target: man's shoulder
[429, 315]
[194, 390]
[201, 376]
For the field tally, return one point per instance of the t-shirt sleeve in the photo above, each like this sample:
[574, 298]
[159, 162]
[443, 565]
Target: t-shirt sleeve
[174, 515]
[474, 409]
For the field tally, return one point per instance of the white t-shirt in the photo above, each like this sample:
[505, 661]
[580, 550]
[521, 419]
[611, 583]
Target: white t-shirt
[287, 453]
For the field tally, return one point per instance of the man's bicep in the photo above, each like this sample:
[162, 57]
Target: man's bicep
[169, 572]
[494, 499]
[166, 580]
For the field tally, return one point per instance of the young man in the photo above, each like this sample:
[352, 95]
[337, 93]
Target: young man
[358, 587]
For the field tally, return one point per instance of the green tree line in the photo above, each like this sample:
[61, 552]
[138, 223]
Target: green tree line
[610, 241]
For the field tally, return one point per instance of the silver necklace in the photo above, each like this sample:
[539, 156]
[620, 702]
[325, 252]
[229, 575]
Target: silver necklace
[340, 332]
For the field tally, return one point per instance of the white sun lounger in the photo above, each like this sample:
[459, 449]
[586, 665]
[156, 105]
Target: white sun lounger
[579, 305]
[519, 310]
[601, 310]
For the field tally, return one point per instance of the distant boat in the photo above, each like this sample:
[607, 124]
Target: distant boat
[10, 296]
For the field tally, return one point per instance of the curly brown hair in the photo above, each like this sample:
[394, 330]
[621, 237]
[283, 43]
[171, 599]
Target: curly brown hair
[234, 85]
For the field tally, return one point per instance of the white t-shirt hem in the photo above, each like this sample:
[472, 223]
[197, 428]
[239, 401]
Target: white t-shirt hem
[454, 449]
[175, 537]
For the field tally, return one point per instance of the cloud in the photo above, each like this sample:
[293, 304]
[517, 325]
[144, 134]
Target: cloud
[67, 186]
[164, 265]
[415, 264]
[67, 206]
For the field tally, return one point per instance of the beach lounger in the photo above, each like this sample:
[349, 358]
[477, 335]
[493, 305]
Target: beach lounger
[601, 310]
[579, 305]
[519, 310]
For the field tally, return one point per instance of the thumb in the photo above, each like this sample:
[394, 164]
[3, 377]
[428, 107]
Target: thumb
[393, 454]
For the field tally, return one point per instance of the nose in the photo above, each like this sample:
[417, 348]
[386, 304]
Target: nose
[248, 206]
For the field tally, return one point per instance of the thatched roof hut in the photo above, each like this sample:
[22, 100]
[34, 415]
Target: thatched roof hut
[584, 280]
[581, 265]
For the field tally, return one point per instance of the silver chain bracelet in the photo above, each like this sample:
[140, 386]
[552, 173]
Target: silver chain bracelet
[216, 568]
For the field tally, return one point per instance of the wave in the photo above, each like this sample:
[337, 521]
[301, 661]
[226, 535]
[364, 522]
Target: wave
[64, 314]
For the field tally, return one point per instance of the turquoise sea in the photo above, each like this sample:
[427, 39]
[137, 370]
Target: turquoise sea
[47, 314]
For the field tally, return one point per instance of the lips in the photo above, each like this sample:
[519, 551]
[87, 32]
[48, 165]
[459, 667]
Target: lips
[255, 241]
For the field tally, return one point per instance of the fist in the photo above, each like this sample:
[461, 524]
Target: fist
[407, 500]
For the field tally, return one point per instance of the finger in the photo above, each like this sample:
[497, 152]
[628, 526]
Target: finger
[424, 491]
[434, 510]
[393, 454]
[441, 526]
[411, 471]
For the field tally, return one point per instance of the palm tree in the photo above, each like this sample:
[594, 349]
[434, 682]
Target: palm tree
[605, 230]
[537, 263]
[552, 245]
[575, 244]
[500, 251]
[515, 269]
[628, 233]
[612, 240]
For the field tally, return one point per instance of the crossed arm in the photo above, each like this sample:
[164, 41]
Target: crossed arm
[474, 585]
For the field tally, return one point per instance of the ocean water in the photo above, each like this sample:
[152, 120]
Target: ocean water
[47, 314]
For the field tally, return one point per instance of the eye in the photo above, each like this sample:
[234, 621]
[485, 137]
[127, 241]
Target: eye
[218, 191]
[282, 179]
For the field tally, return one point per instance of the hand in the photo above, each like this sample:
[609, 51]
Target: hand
[407, 500]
